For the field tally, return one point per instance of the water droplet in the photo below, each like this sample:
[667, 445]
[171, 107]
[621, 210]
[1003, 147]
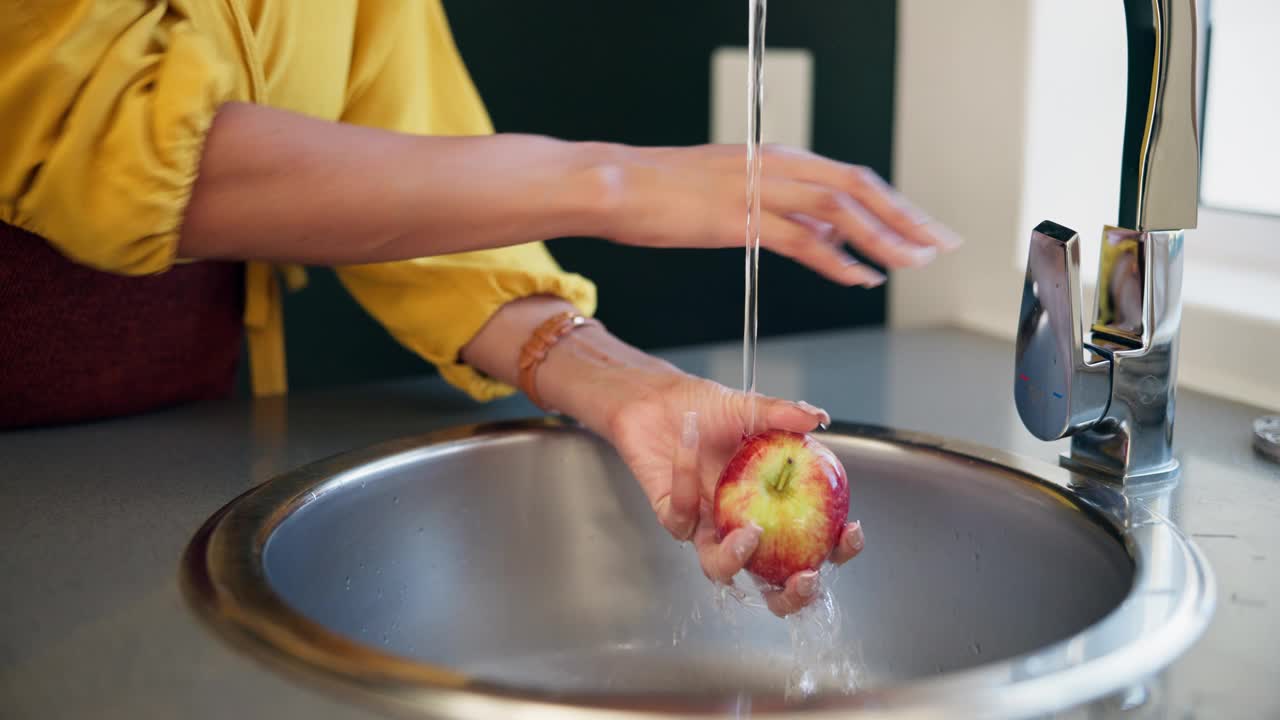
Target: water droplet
[348, 582]
[976, 648]
[385, 640]
[379, 594]
[395, 500]
[421, 529]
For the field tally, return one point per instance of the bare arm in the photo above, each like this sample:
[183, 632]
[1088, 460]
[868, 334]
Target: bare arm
[279, 186]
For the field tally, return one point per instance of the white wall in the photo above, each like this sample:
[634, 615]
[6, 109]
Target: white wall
[959, 146]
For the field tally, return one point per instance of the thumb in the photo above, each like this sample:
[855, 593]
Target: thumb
[777, 414]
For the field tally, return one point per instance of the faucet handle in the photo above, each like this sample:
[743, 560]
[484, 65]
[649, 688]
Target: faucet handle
[1061, 385]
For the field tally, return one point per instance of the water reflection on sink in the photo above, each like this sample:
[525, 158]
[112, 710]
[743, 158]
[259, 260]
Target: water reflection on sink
[486, 572]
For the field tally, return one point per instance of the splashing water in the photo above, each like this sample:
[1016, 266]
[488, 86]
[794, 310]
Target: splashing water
[819, 658]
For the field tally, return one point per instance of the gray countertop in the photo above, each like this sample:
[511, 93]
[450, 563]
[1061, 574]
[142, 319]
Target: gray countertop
[95, 517]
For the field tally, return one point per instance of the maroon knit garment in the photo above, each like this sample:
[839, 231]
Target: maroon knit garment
[77, 344]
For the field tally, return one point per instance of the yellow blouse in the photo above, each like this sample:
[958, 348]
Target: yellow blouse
[104, 107]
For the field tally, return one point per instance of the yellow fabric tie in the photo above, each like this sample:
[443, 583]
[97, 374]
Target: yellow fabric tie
[264, 327]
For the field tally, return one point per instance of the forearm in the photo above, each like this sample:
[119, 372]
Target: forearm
[587, 375]
[283, 187]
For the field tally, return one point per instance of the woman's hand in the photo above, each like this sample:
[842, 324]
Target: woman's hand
[674, 430]
[677, 437]
[810, 207]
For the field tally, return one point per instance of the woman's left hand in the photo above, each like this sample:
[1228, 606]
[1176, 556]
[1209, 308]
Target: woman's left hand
[677, 437]
[675, 431]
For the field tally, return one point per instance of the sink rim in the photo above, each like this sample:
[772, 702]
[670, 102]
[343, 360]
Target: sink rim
[223, 580]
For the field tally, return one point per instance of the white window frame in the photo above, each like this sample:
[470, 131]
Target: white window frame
[1009, 113]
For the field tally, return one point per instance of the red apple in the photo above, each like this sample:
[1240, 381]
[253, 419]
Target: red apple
[796, 490]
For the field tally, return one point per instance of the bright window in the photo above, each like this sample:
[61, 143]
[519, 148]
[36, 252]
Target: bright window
[1234, 258]
[1241, 153]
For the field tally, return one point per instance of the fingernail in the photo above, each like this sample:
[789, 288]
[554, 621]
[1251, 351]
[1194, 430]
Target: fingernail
[920, 217]
[921, 254]
[853, 271]
[861, 274]
[854, 537]
[744, 545]
[689, 430]
[807, 585]
[821, 415]
[874, 279]
[946, 239]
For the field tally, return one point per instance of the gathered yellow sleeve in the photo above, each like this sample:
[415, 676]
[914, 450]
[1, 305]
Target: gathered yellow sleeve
[407, 76]
[103, 111]
[434, 306]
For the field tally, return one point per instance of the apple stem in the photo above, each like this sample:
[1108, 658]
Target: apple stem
[783, 478]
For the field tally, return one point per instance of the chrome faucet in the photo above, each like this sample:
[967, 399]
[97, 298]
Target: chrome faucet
[1112, 388]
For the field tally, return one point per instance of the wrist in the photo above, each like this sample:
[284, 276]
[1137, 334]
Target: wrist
[591, 376]
[595, 189]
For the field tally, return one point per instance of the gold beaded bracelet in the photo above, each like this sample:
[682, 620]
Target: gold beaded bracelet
[540, 343]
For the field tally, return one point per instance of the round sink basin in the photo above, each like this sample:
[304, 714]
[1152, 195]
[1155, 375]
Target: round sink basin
[515, 570]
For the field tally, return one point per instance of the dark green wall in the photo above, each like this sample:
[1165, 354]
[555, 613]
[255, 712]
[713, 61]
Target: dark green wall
[639, 72]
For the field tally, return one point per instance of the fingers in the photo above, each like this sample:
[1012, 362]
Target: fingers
[816, 245]
[850, 544]
[876, 240]
[778, 414]
[849, 219]
[799, 591]
[802, 588]
[678, 510]
[721, 561]
[890, 209]
[895, 210]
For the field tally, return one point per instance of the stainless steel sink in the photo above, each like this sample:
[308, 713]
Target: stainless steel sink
[515, 570]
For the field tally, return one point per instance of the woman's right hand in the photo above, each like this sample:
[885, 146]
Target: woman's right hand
[810, 207]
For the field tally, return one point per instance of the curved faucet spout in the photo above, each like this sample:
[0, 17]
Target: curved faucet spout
[1160, 169]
